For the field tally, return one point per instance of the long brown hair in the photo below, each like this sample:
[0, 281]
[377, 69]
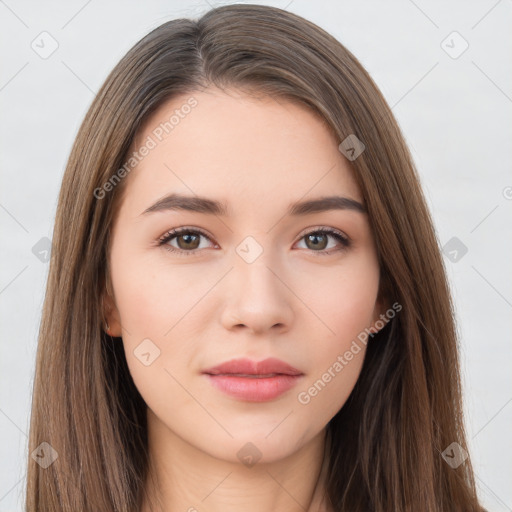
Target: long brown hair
[405, 410]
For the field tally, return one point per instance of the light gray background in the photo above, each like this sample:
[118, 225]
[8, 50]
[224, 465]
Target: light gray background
[454, 112]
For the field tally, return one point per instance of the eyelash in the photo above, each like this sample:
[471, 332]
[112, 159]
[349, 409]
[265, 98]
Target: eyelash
[345, 241]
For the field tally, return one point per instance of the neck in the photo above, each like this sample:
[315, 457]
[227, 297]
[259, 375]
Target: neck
[182, 477]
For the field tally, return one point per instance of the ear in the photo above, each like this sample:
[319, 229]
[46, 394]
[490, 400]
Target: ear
[110, 312]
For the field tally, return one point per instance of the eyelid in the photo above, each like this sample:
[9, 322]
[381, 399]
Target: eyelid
[315, 229]
[180, 230]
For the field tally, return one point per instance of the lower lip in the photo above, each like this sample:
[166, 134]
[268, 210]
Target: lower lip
[254, 389]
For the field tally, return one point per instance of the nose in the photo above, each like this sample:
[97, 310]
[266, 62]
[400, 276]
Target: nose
[258, 297]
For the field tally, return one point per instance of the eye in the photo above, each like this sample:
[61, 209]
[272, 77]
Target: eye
[188, 240]
[318, 240]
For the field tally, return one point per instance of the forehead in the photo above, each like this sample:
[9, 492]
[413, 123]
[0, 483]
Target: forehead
[251, 152]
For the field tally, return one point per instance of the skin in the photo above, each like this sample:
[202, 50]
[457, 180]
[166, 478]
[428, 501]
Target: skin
[258, 155]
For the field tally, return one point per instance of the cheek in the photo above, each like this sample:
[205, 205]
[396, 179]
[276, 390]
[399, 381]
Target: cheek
[345, 304]
[343, 299]
[335, 367]
[152, 297]
[324, 394]
[157, 312]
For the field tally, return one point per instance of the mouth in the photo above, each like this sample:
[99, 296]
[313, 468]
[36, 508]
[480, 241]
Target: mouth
[253, 388]
[252, 381]
[248, 375]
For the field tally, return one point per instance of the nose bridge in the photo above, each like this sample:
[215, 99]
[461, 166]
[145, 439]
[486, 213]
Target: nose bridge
[253, 263]
[256, 296]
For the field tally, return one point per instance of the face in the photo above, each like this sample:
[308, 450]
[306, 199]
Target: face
[255, 281]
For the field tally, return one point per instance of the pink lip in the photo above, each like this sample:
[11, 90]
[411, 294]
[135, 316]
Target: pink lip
[254, 381]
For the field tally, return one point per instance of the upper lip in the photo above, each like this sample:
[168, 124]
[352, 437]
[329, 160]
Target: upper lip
[242, 366]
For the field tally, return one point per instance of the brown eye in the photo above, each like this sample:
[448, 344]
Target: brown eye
[190, 241]
[316, 241]
[185, 242]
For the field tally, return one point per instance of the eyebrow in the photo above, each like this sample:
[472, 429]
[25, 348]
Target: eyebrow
[213, 207]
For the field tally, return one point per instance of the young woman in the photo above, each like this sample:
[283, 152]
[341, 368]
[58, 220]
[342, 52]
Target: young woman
[247, 307]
